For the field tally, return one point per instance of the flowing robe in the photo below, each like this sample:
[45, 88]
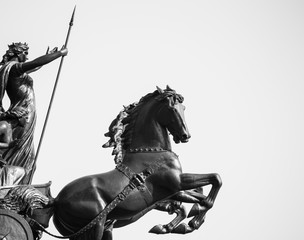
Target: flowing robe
[21, 115]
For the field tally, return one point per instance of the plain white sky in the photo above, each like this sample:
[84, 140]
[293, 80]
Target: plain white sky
[239, 65]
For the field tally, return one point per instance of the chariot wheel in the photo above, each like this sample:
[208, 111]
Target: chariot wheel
[14, 227]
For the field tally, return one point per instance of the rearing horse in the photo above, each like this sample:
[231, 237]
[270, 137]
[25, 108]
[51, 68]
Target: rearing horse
[147, 163]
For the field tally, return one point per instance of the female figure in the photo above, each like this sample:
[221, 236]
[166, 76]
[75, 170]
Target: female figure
[18, 122]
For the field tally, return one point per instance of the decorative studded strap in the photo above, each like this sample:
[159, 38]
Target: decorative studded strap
[125, 170]
[119, 198]
[137, 180]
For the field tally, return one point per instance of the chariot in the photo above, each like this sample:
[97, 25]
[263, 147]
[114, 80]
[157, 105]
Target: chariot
[15, 224]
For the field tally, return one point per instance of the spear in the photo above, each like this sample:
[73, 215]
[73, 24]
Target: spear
[53, 93]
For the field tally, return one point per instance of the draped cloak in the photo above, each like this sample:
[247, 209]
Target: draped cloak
[21, 154]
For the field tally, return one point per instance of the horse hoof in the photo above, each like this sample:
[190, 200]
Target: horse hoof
[183, 228]
[158, 229]
[195, 210]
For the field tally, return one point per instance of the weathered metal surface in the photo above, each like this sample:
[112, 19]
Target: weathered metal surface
[14, 227]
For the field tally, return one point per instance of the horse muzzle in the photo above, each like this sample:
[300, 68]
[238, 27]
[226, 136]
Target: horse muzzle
[183, 138]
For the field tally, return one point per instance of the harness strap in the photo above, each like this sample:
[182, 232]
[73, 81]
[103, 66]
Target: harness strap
[125, 170]
[136, 181]
[119, 198]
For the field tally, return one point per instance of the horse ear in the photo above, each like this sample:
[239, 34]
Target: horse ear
[159, 90]
[169, 89]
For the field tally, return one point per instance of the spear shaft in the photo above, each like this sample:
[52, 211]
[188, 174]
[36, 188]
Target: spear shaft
[53, 92]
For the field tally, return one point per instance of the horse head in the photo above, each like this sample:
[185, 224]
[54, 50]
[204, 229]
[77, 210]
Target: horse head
[146, 124]
[171, 115]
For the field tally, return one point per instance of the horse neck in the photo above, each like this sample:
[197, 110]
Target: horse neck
[148, 133]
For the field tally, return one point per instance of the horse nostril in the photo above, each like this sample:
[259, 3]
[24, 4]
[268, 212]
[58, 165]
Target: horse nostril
[186, 136]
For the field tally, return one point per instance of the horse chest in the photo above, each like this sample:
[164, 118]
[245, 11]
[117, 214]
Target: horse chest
[167, 174]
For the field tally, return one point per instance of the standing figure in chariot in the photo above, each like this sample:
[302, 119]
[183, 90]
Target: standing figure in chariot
[17, 123]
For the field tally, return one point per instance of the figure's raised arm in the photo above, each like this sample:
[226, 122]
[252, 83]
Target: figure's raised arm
[45, 59]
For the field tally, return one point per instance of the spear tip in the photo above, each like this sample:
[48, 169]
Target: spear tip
[72, 18]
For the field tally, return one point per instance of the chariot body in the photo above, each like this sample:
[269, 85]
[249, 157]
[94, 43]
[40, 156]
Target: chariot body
[17, 204]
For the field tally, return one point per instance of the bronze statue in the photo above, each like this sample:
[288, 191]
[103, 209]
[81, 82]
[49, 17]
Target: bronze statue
[18, 121]
[147, 176]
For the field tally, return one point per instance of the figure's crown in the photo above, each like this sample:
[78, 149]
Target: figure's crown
[18, 47]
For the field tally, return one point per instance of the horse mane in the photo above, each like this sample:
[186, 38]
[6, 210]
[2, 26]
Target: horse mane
[120, 129]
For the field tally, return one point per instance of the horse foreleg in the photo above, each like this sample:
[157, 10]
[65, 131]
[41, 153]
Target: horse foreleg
[171, 207]
[199, 216]
[107, 234]
[94, 233]
[190, 196]
[197, 181]
[191, 181]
